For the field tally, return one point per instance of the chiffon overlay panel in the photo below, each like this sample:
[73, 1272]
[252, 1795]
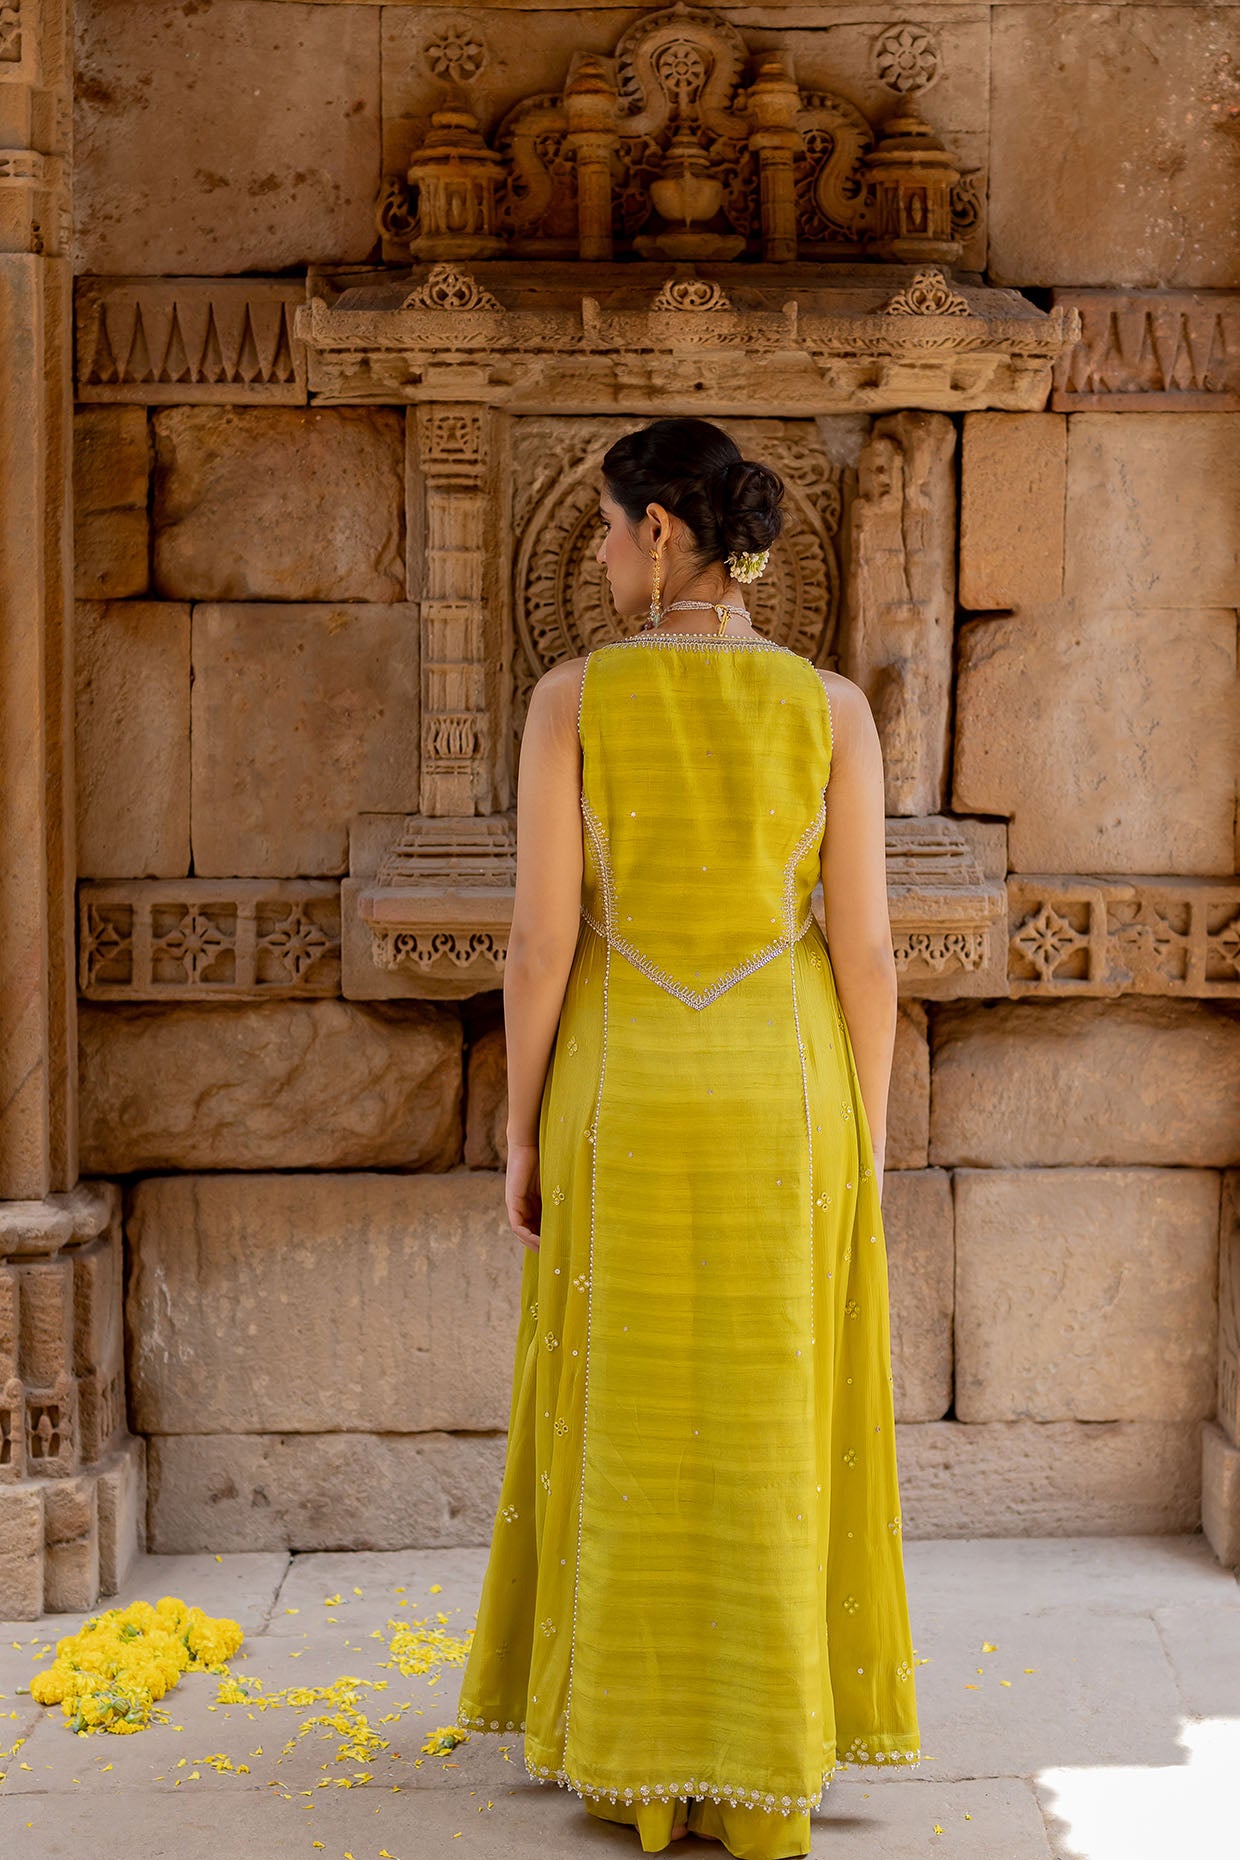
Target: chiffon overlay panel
[695, 1585]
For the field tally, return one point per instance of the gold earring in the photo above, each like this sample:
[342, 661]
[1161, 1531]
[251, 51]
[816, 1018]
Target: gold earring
[656, 612]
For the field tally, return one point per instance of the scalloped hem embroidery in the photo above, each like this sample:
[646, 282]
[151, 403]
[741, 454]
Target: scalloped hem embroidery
[881, 1763]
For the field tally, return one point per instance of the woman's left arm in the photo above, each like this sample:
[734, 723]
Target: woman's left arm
[546, 917]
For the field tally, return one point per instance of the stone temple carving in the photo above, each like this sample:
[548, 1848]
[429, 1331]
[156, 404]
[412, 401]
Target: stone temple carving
[681, 145]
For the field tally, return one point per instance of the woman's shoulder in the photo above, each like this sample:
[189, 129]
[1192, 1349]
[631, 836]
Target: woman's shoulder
[847, 703]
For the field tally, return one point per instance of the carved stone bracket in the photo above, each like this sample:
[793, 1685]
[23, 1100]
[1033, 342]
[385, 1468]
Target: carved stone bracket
[823, 339]
[439, 908]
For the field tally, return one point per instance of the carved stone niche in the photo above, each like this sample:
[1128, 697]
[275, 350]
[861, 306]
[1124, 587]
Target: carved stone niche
[427, 907]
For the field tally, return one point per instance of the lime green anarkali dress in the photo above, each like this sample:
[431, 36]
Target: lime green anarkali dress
[695, 1590]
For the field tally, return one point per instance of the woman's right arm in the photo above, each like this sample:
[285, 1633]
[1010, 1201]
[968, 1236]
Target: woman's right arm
[854, 883]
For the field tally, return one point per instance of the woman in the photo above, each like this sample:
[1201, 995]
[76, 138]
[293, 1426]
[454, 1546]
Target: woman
[694, 1605]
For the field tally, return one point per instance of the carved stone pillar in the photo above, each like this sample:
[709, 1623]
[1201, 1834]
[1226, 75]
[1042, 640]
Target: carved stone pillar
[774, 138]
[590, 103]
[61, 1380]
[901, 601]
[452, 458]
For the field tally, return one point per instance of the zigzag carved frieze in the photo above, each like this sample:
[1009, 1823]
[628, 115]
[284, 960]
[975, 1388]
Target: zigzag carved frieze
[165, 340]
[1156, 351]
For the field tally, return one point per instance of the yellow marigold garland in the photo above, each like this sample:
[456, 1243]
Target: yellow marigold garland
[108, 1675]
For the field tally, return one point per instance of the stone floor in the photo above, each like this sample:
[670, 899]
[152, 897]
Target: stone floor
[1103, 1725]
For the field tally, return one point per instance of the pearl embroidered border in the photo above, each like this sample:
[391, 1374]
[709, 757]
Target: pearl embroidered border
[694, 997]
[729, 1793]
[585, 1370]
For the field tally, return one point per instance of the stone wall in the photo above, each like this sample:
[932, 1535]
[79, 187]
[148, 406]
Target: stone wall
[271, 548]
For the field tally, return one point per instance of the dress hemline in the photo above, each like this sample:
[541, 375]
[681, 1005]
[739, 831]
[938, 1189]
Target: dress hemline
[881, 1764]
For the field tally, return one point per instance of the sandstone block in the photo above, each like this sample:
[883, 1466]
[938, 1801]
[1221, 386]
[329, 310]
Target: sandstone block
[132, 739]
[1107, 163]
[1086, 1294]
[121, 1481]
[279, 503]
[1151, 509]
[1049, 1479]
[1108, 736]
[302, 717]
[358, 1303]
[111, 469]
[1229, 1307]
[1220, 1494]
[322, 1491]
[908, 1102]
[22, 1556]
[45, 1331]
[486, 1102]
[918, 1225]
[209, 141]
[1130, 1081]
[97, 1338]
[71, 1524]
[1012, 485]
[270, 1085]
[10, 1305]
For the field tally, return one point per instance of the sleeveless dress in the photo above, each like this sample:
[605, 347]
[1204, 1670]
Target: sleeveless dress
[695, 1587]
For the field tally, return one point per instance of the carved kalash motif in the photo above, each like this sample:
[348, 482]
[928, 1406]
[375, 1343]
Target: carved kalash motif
[682, 145]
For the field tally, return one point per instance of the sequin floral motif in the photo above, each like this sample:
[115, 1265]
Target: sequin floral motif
[851, 1604]
[557, 1194]
[546, 1480]
[850, 1456]
[510, 1514]
[852, 1308]
[547, 1626]
[893, 1525]
[551, 1340]
[572, 1044]
[904, 1670]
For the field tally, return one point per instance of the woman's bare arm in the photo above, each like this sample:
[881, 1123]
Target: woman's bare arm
[546, 908]
[854, 883]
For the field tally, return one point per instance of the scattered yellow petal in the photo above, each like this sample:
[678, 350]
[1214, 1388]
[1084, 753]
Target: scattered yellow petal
[1030, 1669]
[292, 1611]
[988, 1646]
[219, 1559]
[937, 1828]
[436, 1588]
[971, 1688]
[356, 1590]
[1005, 1682]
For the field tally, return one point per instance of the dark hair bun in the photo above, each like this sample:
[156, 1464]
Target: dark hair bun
[691, 467]
[749, 508]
